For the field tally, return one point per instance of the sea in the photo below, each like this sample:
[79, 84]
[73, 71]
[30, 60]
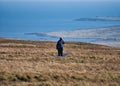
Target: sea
[20, 17]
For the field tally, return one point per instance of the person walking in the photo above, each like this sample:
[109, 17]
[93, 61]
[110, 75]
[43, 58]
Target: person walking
[59, 46]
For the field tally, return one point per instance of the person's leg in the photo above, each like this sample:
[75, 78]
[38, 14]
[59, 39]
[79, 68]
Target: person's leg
[61, 52]
[58, 52]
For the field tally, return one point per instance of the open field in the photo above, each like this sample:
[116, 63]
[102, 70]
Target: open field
[35, 63]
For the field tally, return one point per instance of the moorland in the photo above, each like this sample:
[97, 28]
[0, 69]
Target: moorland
[35, 63]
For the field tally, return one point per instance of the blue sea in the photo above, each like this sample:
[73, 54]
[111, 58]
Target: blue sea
[20, 17]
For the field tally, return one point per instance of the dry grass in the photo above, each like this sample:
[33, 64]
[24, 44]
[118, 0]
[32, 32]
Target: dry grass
[35, 63]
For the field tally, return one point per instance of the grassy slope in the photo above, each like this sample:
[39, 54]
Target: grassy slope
[35, 63]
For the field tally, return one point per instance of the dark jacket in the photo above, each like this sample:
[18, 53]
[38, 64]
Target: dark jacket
[59, 44]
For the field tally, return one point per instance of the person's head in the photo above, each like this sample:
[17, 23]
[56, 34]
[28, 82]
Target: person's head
[60, 38]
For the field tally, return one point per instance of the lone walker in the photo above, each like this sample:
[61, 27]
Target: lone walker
[59, 46]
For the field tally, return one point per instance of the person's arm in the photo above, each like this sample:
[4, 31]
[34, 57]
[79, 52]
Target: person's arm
[63, 42]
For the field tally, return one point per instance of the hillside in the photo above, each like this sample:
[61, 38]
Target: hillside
[35, 63]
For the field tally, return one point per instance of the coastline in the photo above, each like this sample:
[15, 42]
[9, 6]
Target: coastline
[108, 36]
[49, 41]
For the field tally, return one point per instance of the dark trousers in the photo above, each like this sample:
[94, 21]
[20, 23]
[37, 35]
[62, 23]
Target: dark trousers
[60, 51]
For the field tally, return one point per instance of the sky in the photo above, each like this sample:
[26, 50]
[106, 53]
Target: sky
[64, 0]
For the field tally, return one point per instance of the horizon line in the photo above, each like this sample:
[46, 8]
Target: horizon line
[59, 0]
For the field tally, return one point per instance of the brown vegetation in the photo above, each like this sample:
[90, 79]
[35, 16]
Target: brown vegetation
[35, 63]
